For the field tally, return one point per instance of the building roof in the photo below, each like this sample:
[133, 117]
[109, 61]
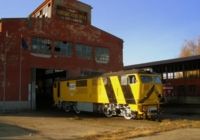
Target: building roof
[176, 61]
[50, 1]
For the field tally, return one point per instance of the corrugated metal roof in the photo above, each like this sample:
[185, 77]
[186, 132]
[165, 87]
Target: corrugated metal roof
[165, 62]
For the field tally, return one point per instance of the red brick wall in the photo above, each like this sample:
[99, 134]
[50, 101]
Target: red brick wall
[55, 30]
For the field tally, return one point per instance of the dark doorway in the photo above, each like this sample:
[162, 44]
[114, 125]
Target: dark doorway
[44, 82]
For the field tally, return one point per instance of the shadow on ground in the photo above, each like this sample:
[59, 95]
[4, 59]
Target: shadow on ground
[7, 130]
[171, 113]
[175, 112]
[55, 113]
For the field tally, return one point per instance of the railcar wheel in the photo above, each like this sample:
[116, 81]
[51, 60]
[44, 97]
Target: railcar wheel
[107, 112]
[76, 109]
[66, 107]
[128, 114]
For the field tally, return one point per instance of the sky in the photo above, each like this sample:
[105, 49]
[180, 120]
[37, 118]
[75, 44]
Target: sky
[152, 30]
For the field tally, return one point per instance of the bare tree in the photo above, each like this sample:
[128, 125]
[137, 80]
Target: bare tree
[190, 48]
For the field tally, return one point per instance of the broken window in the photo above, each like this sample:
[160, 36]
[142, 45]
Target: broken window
[83, 51]
[63, 48]
[41, 46]
[102, 55]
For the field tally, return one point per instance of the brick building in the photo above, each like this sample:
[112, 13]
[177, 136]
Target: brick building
[56, 41]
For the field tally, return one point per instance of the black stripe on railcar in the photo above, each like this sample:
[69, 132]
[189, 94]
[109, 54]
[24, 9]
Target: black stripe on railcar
[110, 91]
[149, 93]
[128, 94]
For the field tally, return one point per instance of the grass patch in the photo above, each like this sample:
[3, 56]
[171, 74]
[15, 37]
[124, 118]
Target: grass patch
[166, 125]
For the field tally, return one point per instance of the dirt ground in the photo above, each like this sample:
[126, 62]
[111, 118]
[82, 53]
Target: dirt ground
[57, 125]
[178, 134]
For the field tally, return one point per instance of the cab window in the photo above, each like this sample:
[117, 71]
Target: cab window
[131, 79]
[146, 79]
[126, 80]
[157, 80]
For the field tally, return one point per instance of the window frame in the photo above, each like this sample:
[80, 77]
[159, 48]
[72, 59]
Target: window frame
[84, 51]
[66, 46]
[102, 55]
[40, 45]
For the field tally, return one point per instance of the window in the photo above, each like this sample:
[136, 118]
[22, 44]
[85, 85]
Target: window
[157, 80]
[63, 48]
[146, 79]
[131, 79]
[41, 12]
[41, 46]
[102, 55]
[83, 51]
[124, 80]
[71, 14]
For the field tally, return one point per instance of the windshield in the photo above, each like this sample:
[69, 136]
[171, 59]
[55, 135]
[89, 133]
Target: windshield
[150, 79]
[157, 79]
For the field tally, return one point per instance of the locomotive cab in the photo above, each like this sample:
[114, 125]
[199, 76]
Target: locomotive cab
[149, 95]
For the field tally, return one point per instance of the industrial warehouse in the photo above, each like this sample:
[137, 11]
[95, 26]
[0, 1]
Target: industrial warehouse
[56, 41]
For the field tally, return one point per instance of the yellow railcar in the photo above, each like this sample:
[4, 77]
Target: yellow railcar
[132, 94]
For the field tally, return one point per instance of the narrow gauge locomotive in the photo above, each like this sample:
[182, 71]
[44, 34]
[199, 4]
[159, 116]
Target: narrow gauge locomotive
[132, 94]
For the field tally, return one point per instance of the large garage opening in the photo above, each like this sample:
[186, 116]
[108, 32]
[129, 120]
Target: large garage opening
[44, 79]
